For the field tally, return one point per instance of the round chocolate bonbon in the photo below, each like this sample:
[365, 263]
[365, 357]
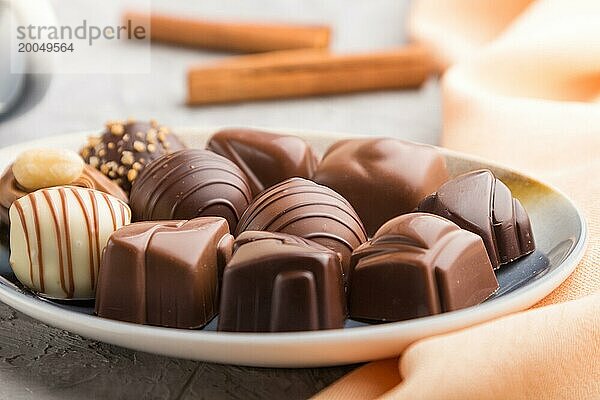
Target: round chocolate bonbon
[304, 208]
[57, 236]
[126, 147]
[188, 184]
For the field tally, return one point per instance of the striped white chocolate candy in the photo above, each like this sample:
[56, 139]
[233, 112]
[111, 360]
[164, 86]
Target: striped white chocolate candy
[57, 236]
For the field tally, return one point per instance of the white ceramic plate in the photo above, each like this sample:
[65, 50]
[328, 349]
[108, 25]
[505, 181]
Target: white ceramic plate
[559, 231]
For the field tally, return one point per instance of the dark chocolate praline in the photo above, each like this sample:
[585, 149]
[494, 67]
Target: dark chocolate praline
[266, 158]
[188, 184]
[124, 149]
[304, 208]
[481, 203]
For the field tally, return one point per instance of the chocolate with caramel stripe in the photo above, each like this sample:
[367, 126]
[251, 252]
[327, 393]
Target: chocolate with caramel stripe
[57, 236]
[188, 184]
[304, 208]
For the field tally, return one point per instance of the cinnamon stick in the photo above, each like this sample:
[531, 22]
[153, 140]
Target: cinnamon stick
[302, 73]
[231, 36]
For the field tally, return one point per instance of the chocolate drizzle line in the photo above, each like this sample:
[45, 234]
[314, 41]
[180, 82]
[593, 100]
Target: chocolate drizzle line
[96, 236]
[89, 231]
[36, 223]
[63, 202]
[59, 244]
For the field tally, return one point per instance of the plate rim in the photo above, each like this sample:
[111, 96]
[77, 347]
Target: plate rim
[92, 326]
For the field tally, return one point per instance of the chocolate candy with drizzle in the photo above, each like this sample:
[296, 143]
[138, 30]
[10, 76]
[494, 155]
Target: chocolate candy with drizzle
[304, 208]
[188, 184]
[266, 158]
[126, 147]
[417, 265]
[57, 236]
[481, 203]
[164, 273]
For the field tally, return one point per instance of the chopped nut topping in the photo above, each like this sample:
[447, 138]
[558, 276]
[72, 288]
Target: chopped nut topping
[139, 134]
[137, 166]
[111, 145]
[94, 161]
[127, 158]
[131, 175]
[139, 146]
[121, 170]
[102, 152]
[151, 148]
[162, 136]
[117, 129]
[154, 123]
[126, 137]
[104, 169]
[151, 136]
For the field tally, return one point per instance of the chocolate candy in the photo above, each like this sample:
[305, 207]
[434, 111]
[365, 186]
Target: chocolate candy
[125, 148]
[417, 265]
[381, 178]
[57, 236]
[304, 208]
[280, 283]
[481, 203]
[266, 158]
[164, 273]
[90, 178]
[189, 184]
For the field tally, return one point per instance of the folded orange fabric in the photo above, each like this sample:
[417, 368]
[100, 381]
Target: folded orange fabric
[523, 89]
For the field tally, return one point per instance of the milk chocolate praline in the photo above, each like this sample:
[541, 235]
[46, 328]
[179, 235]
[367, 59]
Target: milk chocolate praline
[188, 184]
[417, 265]
[164, 273]
[479, 202]
[381, 177]
[281, 283]
[266, 158]
[304, 208]
[124, 149]
[90, 178]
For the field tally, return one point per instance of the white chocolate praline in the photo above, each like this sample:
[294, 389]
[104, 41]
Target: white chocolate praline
[57, 236]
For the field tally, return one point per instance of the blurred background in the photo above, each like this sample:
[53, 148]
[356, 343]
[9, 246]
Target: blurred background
[75, 102]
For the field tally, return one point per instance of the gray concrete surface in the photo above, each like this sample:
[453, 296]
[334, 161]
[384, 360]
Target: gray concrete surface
[41, 362]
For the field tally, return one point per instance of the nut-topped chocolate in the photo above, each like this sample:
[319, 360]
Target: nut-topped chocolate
[417, 265]
[381, 177]
[188, 184]
[164, 273]
[42, 168]
[304, 208]
[481, 203]
[266, 158]
[126, 147]
[281, 283]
